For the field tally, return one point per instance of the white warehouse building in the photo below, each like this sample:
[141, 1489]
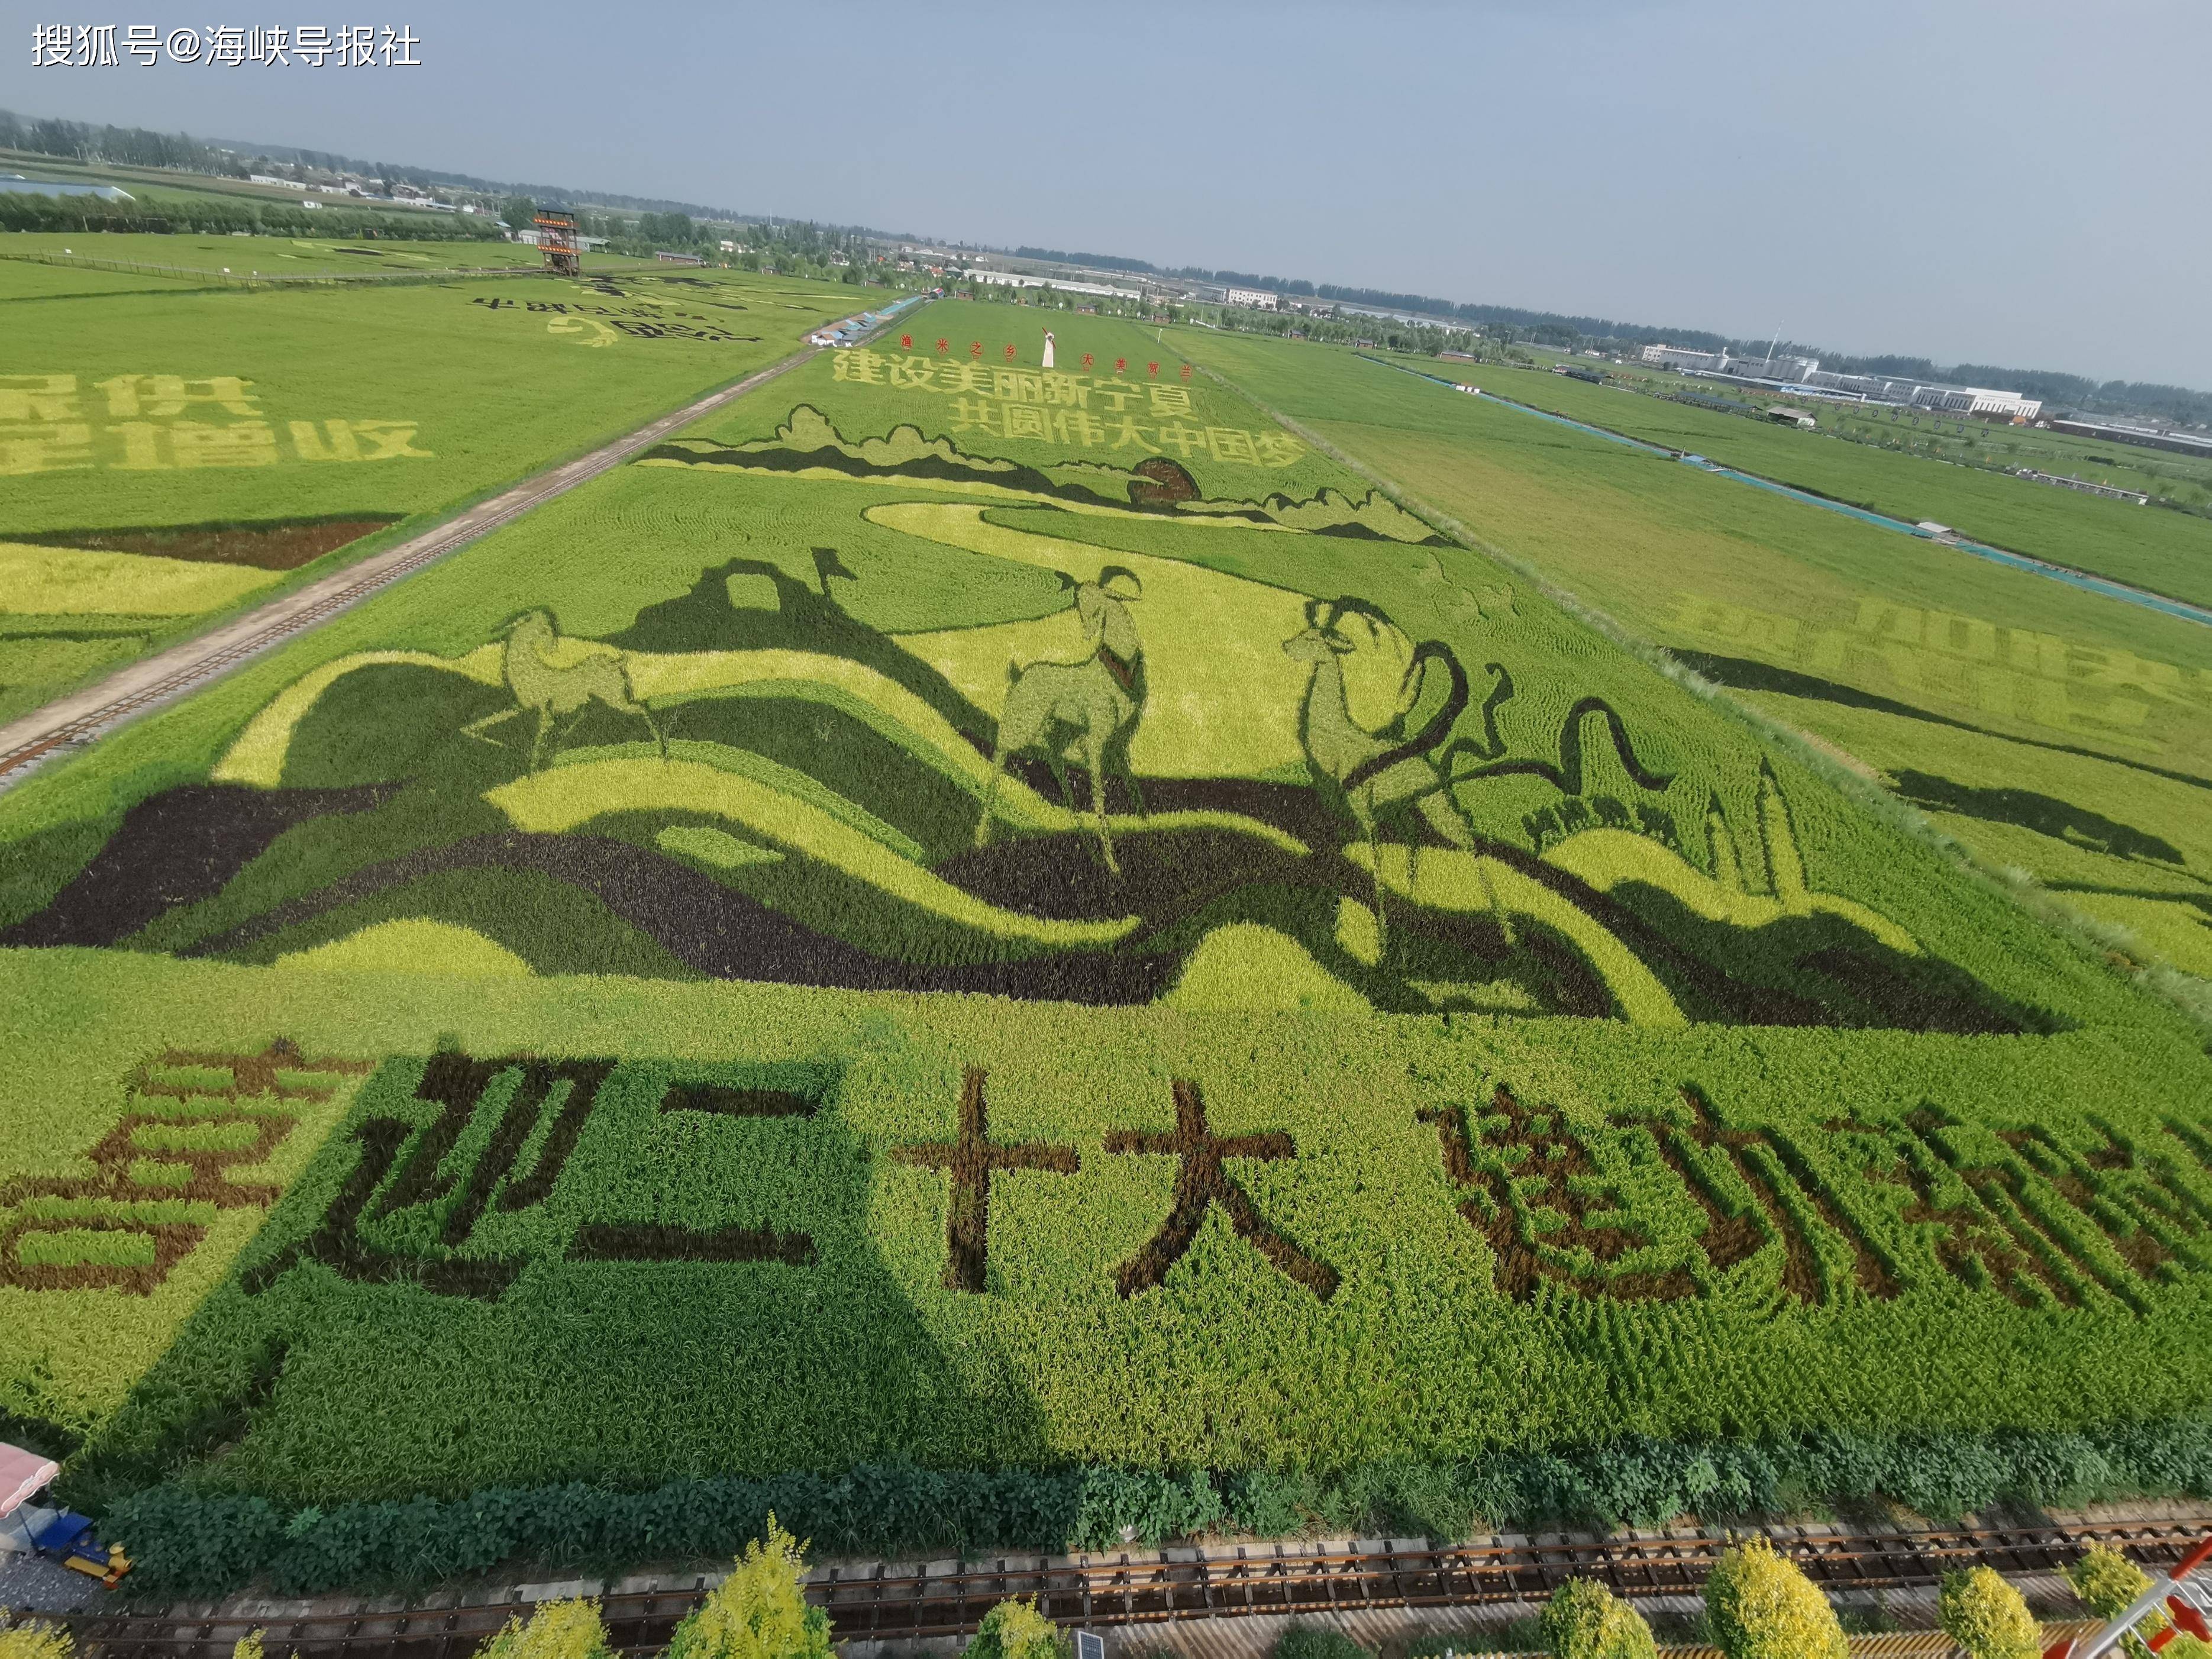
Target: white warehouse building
[1258, 297]
[1977, 400]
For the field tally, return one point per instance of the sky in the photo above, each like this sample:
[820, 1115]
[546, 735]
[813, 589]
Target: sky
[2019, 182]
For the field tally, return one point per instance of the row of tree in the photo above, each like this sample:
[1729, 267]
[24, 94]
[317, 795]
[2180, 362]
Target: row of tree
[1759, 1605]
[224, 216]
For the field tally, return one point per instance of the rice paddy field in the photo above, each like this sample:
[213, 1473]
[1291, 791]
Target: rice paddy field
[171, 454]
[280, 255]
[2165, 551]
[2051, 731]
[993, 924]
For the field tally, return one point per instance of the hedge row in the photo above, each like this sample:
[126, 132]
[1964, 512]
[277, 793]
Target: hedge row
[93, 212]
[200, 1545]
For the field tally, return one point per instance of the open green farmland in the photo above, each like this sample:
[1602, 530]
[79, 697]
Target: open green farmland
[2187, 478]
[25, 279]
[286, 256]
[169, 456]
[983, 917]
[2048, 729]
[2165, 551]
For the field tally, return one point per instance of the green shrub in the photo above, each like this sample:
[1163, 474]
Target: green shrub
[2106, 1580]
[760, 1611]
[1987, 1617]
[1586, 1621]
[2108, 1583]
[1305, 1641]
[1015, 1630]
[1760, 1605]
[33, 1640]
[558, 1630]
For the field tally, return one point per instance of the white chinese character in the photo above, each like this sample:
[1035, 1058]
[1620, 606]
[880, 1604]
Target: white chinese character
[95, 46]
[184, 46]
[247, 443]
[357, 45]
[312, 37]
[225, 46]
[266, 45]
[141, 42]
[50, 45]
[59, 448]
[403, 43]
[38, 398]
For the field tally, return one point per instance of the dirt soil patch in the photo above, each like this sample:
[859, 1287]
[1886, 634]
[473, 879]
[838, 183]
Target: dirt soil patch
[285, 546]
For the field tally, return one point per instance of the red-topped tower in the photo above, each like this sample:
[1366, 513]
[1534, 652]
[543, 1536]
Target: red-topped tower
[557, 239]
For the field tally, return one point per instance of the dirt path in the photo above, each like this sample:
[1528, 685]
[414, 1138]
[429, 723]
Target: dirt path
[69, 724]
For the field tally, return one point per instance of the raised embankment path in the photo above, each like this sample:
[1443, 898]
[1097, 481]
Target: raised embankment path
[70, 724]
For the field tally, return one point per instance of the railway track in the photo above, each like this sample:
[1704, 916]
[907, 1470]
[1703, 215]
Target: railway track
[895, 1603]
[72, 724]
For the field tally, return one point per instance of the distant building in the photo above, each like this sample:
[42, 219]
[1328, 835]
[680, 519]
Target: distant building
[2110, 492]
[1258, 298]
[667, 258]
[1667, 356]
[1014, 279]
[1788, 416]
[1976, 400]
[281, 184]
[2179, 443]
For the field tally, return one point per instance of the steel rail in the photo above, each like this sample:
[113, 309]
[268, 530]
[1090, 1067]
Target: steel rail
[885, 1602]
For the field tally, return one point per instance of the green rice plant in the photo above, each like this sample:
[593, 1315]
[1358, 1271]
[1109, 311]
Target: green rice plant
[1759, 1605]
[1302, 1639]
[760, 1611]
[1016, 1630]
[1585, 1620]
[1987, 1617]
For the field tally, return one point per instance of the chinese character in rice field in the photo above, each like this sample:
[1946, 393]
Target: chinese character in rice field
[2026, 1212]
[906, 342]
[163, 397]
[1089, 360]
[969, 1160]
[976, 349]
[409, 1205]
[1202, 1181]
[163, 1173]
[943, 345]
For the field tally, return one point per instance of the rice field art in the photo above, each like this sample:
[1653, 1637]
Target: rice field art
[963, 930]
[1081, 771]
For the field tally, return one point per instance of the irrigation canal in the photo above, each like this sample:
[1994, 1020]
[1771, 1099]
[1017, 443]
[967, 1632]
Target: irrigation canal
[906, 1602]
[2081, 579]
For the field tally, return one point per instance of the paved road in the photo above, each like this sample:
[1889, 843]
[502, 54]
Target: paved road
[69, 724]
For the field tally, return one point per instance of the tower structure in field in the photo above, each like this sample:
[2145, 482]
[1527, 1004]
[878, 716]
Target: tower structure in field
[557, 239]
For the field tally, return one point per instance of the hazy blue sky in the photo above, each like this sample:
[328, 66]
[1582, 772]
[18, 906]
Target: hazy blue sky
[2022, 183]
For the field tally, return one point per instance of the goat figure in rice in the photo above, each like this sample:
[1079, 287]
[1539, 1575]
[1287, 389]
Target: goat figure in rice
[1375, 775]
[552, 690]
[1087, 710]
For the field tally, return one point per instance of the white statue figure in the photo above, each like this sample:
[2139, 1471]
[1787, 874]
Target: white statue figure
[1048, 348]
